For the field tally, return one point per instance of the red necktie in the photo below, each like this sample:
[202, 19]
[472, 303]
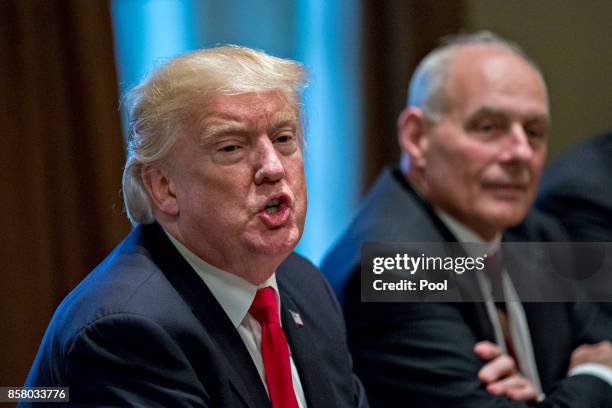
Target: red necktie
[274, 349]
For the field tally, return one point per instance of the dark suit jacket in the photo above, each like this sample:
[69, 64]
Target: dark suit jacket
[577, 189]
[144, 330]
[421, 354]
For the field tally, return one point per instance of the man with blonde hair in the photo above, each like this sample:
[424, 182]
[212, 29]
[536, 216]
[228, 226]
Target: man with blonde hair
[204, 304]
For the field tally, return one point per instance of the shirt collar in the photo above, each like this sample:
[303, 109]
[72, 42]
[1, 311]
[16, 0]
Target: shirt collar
[234, 294]
[465, 234]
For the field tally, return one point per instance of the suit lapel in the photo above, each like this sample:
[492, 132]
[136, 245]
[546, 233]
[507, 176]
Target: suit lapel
[243, 373]
[474, 309]
[238, 363]
[309, 364]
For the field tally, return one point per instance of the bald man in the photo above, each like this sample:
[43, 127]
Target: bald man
[473, 140]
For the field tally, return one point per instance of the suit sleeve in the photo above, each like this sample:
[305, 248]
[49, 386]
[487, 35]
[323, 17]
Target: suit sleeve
[592, 322]
[127, 360]
[421, 355]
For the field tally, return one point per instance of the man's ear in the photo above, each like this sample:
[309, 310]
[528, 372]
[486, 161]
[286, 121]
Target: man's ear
[412, 137]
[161, 189]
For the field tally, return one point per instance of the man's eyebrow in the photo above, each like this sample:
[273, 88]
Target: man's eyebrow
[222, 126]
[491, 111]
[539, 117]
[283, 118]
[219, 125]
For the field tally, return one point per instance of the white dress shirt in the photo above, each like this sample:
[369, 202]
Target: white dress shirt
[516, 314]
[235, 295]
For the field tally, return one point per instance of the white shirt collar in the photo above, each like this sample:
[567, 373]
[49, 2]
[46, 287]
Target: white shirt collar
[465, 234]
[234, 294]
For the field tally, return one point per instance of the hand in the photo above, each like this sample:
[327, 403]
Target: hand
[501, 375]
[600, 353]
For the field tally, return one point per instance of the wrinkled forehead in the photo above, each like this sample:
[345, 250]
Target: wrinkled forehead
[249, 111]
[253, 109]
[480, 73]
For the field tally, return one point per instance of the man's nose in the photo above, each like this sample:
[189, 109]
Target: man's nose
[269, 167]
[519, 147]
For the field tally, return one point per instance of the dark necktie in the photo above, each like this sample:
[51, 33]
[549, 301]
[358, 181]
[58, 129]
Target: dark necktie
[494, 269]
[274, 349]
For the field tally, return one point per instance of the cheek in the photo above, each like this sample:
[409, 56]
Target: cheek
[297, 183]
[480, 162]
[294, 169]
[300, 182]
[232, 182]
[216, 192]
[537, 164]
[478, 154]
[462, 163]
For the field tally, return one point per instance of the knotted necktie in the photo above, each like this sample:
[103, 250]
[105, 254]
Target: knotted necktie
[494, 269]
[274, 349]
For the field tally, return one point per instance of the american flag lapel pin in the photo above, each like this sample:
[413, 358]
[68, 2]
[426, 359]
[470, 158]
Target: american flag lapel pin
[297, 319]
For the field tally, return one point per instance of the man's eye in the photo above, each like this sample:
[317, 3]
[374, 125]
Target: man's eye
[485, 127]
[284, 139]
[229, 148]
[535, 133]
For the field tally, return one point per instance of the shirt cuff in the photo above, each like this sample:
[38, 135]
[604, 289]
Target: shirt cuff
[598, 370]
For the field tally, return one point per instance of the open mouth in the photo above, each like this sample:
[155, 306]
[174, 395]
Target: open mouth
[277, 211]
[273, 206]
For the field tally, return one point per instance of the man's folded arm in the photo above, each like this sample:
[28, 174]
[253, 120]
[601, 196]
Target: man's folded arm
[423, 354]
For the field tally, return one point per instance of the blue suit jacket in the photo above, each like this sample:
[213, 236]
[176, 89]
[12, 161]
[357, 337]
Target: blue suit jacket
[421, 354]
[144, 330]
[577, 190]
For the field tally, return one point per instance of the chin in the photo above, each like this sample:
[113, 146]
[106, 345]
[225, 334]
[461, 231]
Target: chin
[274, 242]
[506, 218]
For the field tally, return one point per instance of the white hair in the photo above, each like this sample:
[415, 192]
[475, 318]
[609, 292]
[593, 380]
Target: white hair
[427, 89]
[169, 100]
